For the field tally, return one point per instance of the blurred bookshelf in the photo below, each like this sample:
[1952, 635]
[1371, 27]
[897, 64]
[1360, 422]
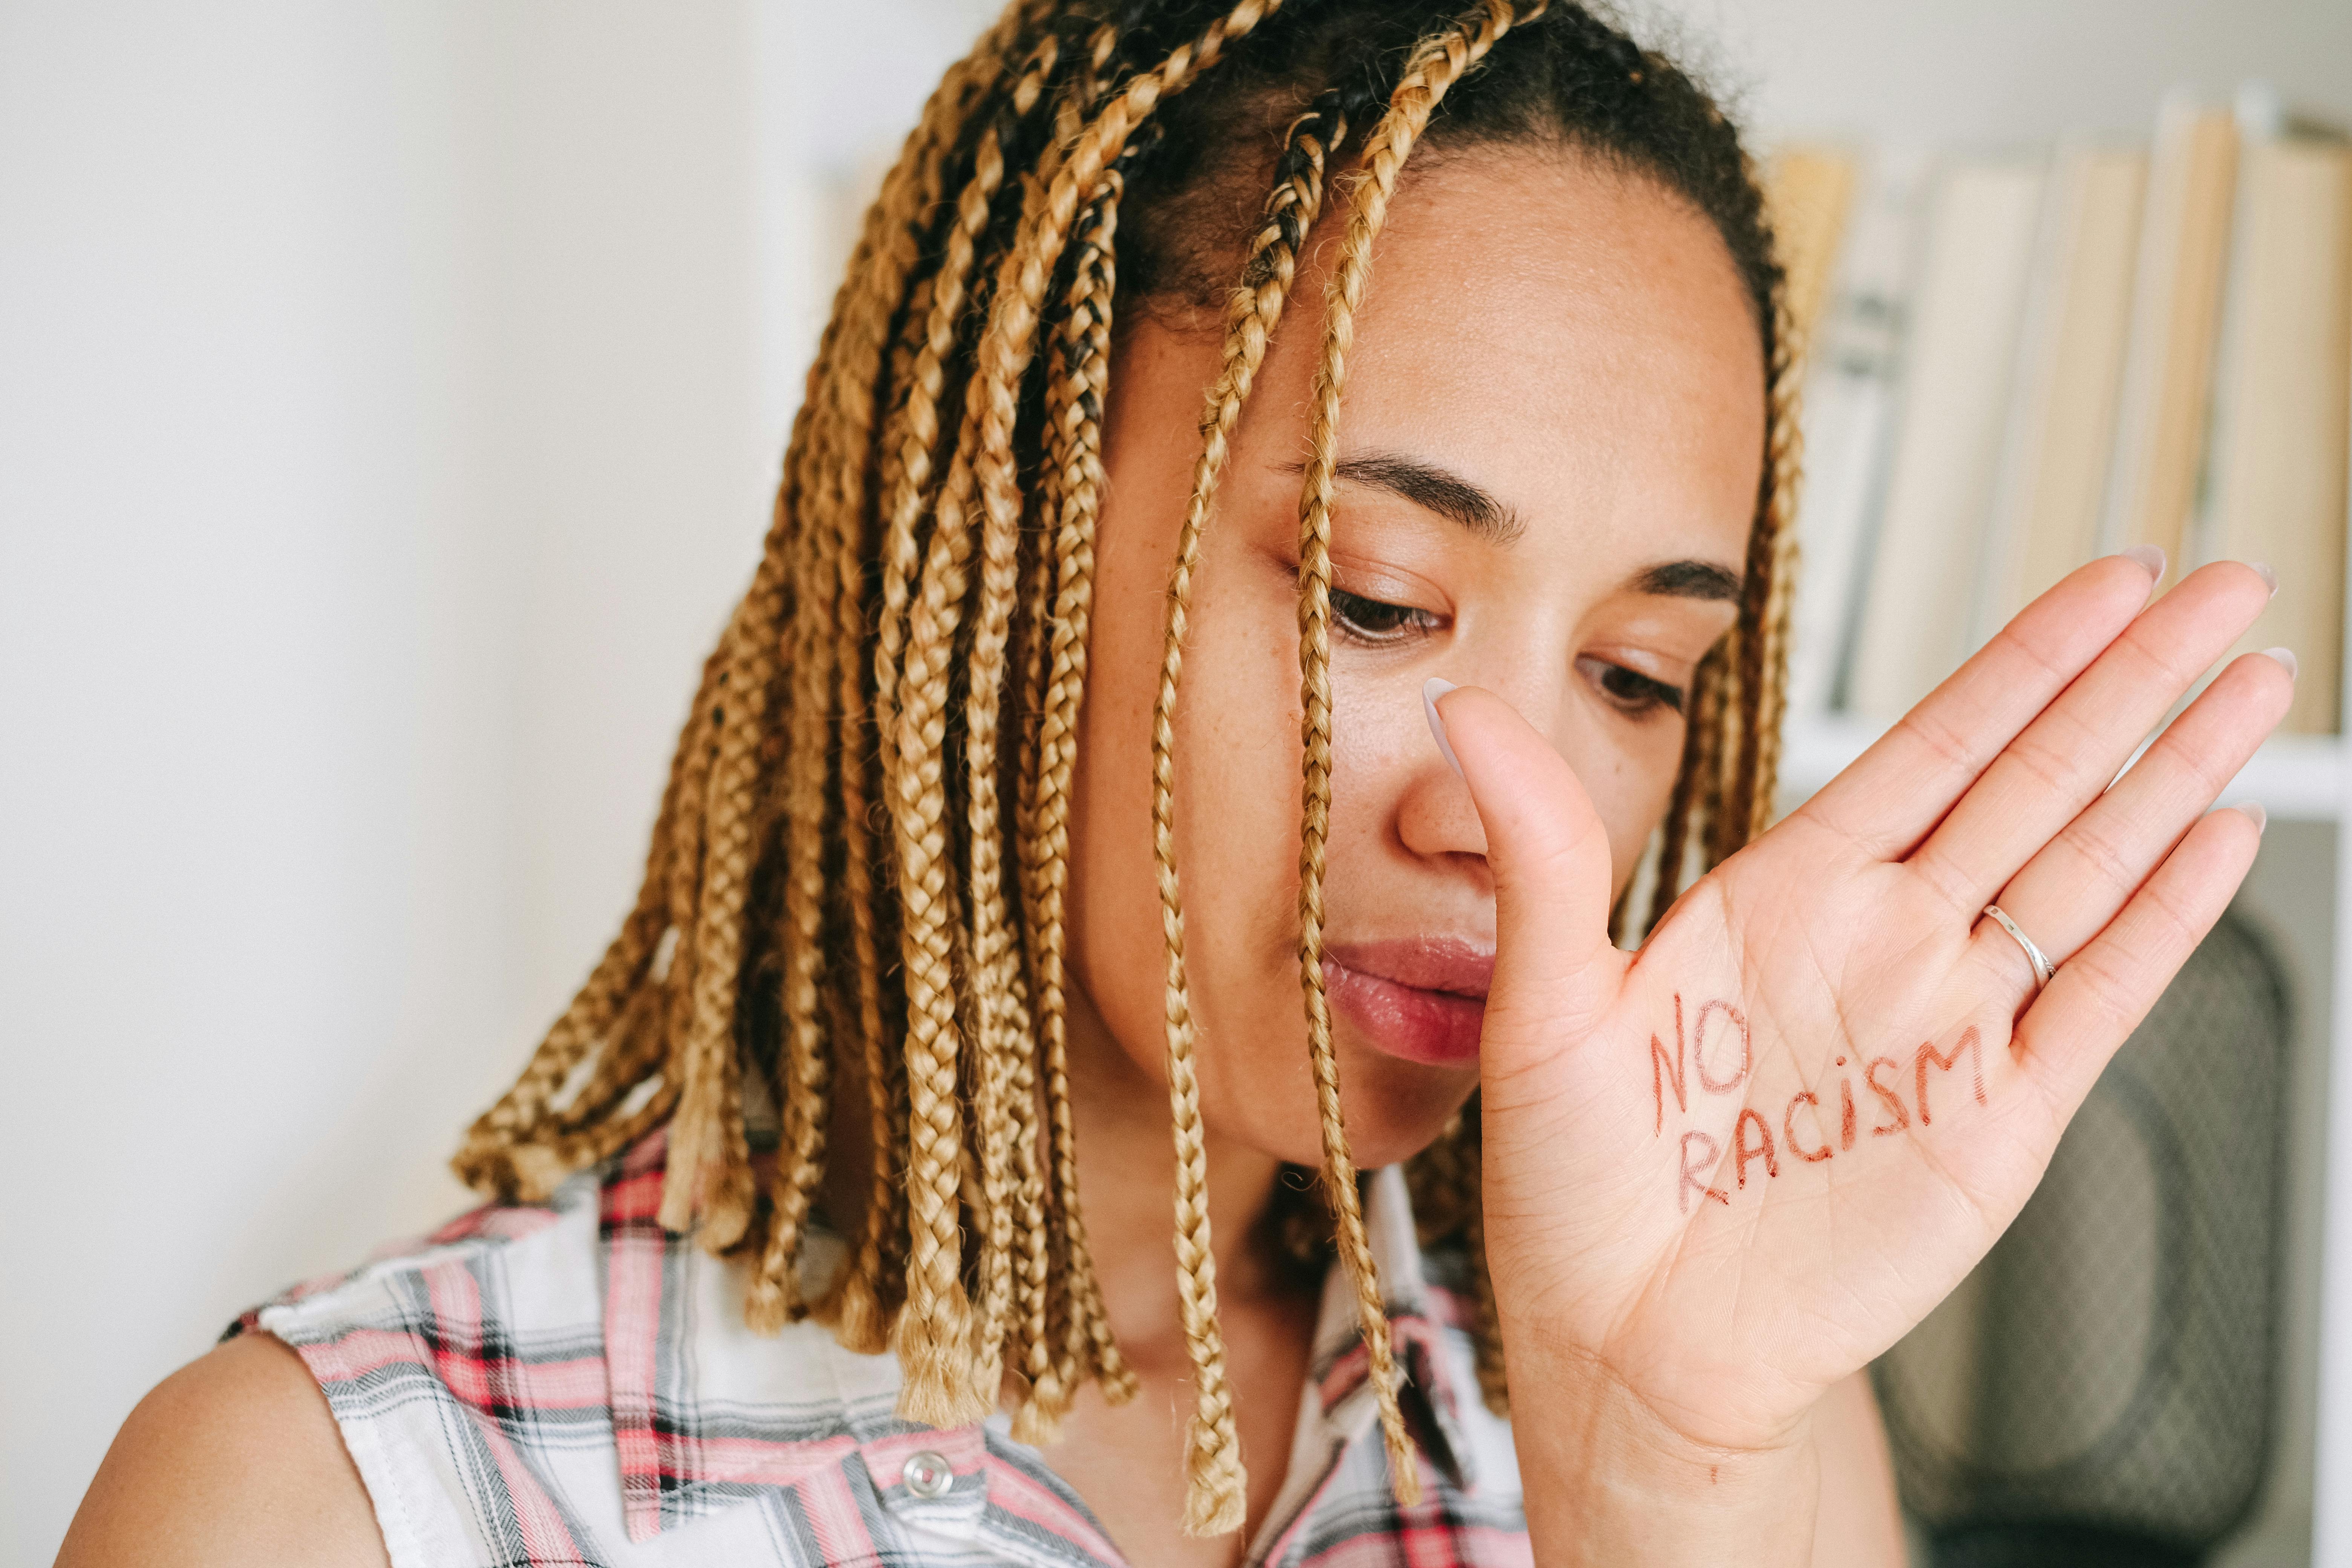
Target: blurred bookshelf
[2019, 357]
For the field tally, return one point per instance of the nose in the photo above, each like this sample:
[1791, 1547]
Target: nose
[1435, 818]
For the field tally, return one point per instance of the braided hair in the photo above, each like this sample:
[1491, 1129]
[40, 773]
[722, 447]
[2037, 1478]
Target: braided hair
[862, 856]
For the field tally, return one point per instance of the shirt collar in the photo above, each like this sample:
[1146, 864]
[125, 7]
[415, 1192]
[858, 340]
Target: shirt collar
[686, 1450]
[1418, 1313]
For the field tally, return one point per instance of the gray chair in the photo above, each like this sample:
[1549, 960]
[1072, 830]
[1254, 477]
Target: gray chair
[2098, 1393]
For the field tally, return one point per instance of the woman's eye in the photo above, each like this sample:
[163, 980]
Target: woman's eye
[1372, 621]
[1629, 691]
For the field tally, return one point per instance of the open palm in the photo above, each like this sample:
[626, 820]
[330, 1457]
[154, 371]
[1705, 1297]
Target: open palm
[1732, 1168]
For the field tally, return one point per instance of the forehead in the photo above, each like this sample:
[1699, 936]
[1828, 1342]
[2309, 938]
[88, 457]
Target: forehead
[1574, 338]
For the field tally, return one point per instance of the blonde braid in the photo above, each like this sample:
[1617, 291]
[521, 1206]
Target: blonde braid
[1726, 832]
[1435, 66]
[1000, 1025]
[500, 1144]
[710, 1168]
[633, 1048]
[1036, 1301]
[912, 433]
[1010, 342]
[855, 1305]
[831, 494]
[937, 1317]
[1005, 352]
[1085, 348]
[688, 839]
[828, 444]
[933, 1334]
[594, 1125]
[492, 1154]
[1040, 1301]
[1216, 1496]
[1004, 355]
[1038, 1420]
[820, 487]
[1772, 556]
[874, 1283]
[887, 258]
[805, 1080]
[700, 743]
[908, 442]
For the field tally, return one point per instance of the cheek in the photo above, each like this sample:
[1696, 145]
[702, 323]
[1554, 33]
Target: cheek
[1237, 783]
[1236, 820]
[1630, 778]
[1236, 780]
[1115, 948]
[1236, 817]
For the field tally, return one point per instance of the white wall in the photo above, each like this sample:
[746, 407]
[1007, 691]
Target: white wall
[259, 909]
[390, 392]
[390, 398]
[1940, 72]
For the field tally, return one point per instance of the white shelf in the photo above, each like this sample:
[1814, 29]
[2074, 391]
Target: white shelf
[2294, 777]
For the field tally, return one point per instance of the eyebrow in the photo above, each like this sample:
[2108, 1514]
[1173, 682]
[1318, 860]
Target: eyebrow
[1434, 489]
[1460, 501]
[1687, 580]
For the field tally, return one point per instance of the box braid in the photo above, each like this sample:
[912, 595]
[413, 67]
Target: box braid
[869, 1292]
[1433, 70]
[1217, 1499]
[855, 874]
[1076, 428]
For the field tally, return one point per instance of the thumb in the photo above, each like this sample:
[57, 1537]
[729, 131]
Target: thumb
[1555, 968]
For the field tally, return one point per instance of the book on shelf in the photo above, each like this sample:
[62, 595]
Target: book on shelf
[1808, 191]
[2052, 483]
[1920, 600]
[2283, 404]
[2025, 360]
[1848, 415]
[2176, 317]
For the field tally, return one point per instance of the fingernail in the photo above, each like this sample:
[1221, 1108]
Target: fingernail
[2254, 814]
[2149, 556]
[1431, 690]
[2285, 656]
[2269, 577]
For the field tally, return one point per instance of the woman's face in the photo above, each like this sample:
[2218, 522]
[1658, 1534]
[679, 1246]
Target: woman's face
[1548, 457]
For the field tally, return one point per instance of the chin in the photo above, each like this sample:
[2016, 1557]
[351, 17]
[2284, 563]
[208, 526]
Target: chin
[1258, 1086]
[1395, 1108]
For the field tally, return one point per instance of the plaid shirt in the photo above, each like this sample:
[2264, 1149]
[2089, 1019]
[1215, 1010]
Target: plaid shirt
[569, 1385]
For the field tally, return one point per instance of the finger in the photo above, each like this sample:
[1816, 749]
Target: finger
[1549, 855]
[2102, 992]
[2063, 760]
[2073, 887]
[1902, 786]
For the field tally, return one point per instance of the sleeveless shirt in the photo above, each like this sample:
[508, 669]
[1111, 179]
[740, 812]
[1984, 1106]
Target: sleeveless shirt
[569, 1384]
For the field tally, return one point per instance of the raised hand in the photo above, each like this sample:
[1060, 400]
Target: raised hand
[1724, 1173]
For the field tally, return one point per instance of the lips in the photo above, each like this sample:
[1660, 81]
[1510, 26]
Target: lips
[1423, 999]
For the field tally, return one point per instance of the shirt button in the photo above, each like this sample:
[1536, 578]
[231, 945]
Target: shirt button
[928, 1474]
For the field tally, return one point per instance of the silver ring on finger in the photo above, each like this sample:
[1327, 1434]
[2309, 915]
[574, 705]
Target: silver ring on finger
[2043, 968]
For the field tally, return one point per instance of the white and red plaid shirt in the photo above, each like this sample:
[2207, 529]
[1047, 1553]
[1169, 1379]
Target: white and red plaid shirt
[572, 1385]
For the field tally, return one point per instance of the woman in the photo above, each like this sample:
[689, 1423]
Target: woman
[1499, 526]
